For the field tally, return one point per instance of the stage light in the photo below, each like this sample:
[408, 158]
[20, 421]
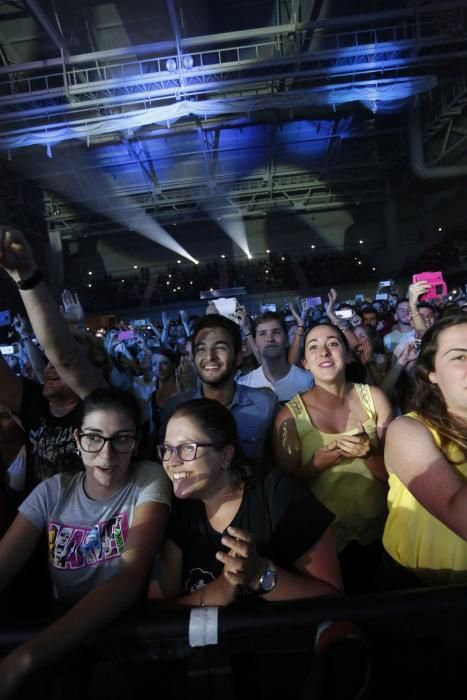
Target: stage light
[171, 65]
[188, 62]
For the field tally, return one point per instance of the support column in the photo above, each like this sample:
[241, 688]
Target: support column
[391, 230]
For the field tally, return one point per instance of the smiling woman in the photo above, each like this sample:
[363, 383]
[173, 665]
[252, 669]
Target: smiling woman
[231, 536]
[104, 527]
[331, 436]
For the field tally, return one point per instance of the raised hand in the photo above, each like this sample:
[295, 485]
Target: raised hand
[71, 307]
[22, 326]
[243, 319]
[415, 290]
[295, 311]
[185, 376]
[15, 252]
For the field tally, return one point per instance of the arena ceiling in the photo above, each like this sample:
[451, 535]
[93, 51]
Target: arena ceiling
[138, 114]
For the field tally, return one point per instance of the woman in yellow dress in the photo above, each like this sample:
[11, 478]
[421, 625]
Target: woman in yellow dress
[332, 436]
[426, 457]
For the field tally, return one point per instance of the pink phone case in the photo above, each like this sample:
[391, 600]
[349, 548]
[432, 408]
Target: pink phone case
[438, 286]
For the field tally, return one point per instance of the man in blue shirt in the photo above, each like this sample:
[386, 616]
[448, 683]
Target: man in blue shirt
[217, 349]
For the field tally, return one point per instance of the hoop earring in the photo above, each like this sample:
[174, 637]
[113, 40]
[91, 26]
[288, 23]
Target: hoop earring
[78, 452]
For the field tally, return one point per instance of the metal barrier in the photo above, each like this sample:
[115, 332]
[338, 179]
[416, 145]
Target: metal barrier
[408, 626]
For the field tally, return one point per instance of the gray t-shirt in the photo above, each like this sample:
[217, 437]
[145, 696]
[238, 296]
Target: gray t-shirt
[86, 537]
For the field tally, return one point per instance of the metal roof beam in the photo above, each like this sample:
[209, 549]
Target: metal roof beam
[47, 25]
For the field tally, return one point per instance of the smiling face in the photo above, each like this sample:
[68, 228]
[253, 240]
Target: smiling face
[208, 474]
[325, 354]
[215, 357]
[107, 469]
[403, 314]
[450, 368]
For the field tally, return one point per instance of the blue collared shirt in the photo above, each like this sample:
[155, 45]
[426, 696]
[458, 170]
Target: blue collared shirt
[254, 411]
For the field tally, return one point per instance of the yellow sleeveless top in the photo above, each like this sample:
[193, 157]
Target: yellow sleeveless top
[349, 489]
[419, 541]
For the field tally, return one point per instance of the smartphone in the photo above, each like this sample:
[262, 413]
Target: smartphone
[126, 335]
[310, 302]
[7, 349]
[5, 319]
[268, 307]
[381, 297]
[225, 306]
[417, 342]
[438, 287]
[344, 313]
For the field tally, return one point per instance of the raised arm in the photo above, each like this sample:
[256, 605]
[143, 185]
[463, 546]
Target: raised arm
[415, 290]
[34, 355]
[295, 353]
[11, 387]
[49, 325]
[246, 326]
[412, 454]
[97, 608]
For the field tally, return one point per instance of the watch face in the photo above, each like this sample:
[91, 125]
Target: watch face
[268, 580]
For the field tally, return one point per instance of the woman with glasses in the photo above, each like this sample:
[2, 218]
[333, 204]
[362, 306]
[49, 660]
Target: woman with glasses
[230, 536]
[104, 526]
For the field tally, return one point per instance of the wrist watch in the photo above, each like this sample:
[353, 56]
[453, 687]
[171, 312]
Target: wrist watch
[268, 579]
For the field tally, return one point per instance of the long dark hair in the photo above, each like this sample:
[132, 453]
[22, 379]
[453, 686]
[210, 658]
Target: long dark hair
[219, 426]
[427, 399]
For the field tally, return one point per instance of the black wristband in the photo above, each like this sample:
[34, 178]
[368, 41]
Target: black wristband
[30, 282]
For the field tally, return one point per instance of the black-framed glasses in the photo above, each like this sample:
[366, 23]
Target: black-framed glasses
[186, 451]
[92, 442]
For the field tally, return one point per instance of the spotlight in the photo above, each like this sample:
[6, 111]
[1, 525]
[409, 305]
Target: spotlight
[171, 65]
[188, 62]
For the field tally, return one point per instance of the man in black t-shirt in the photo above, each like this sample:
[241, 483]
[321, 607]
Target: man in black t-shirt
[50, 412]
[50, 445]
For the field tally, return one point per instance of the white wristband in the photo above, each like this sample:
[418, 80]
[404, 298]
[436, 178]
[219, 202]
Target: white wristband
[203, 628]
